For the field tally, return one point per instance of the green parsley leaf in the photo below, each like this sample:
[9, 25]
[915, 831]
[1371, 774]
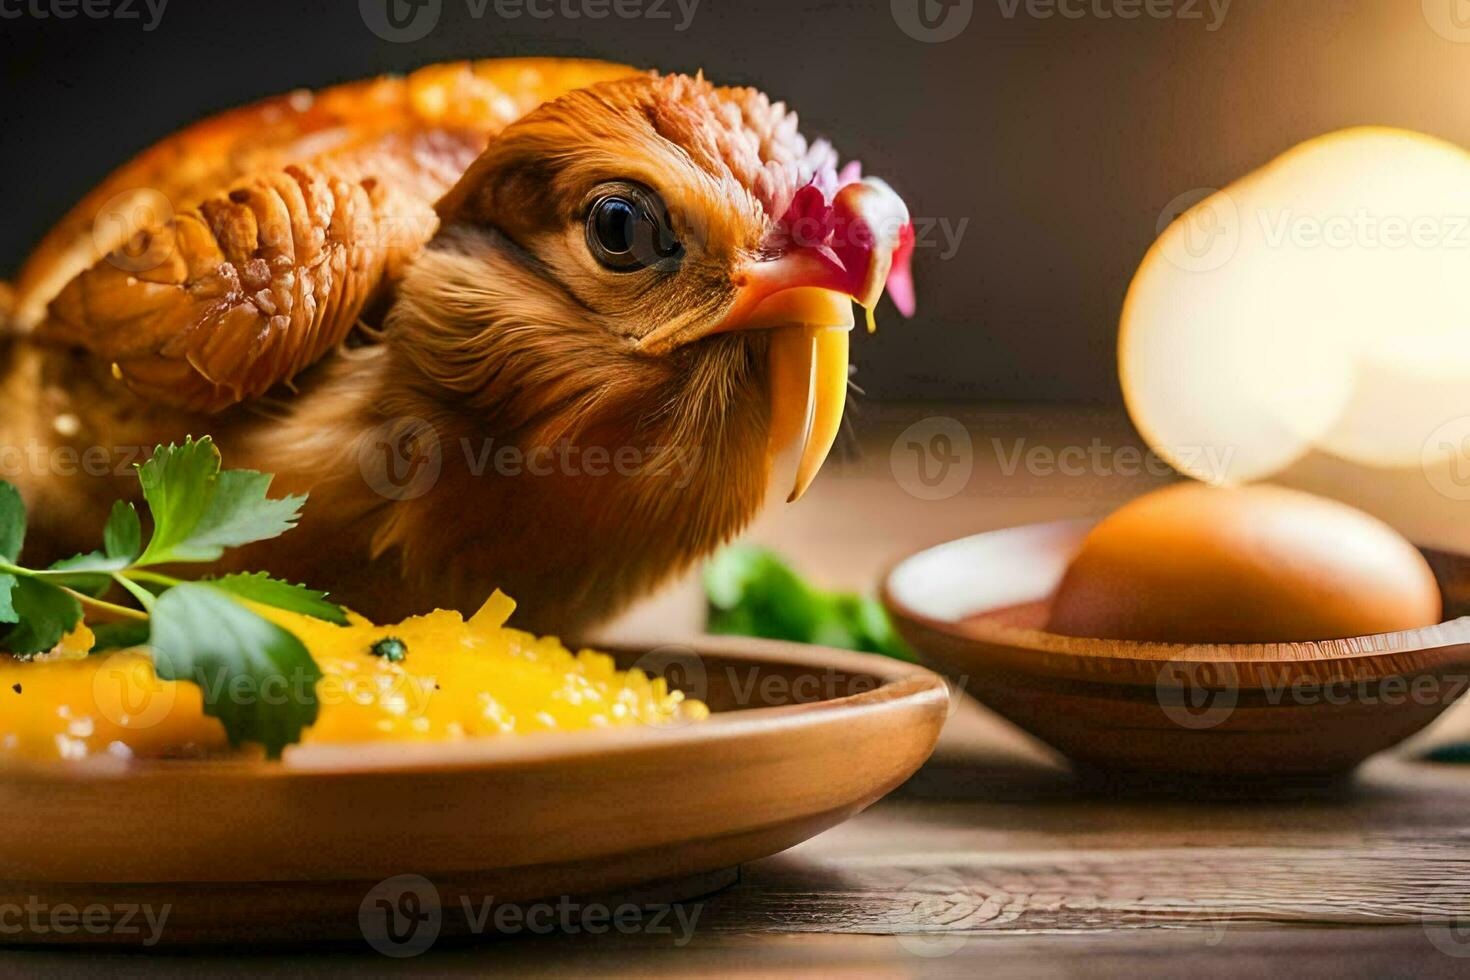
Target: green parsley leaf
[260, 587]
[752, 592]
[258, 679]
[90, 574]
[177, 482]
[91, 561]
[123, 536]
[7, 610]
[12, 522]
[198, 511]
[44, 613]
[119, 636]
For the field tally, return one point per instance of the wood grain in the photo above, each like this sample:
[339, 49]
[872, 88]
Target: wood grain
[520, 819]
[1103, 882]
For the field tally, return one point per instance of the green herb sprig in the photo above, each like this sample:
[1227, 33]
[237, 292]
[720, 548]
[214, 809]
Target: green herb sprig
[258, 679]
[750, 591]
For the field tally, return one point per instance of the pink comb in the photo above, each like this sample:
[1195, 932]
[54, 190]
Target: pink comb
[839, 224]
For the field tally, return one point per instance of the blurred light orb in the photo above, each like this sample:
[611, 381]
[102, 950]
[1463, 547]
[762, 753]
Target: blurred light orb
[1321, 302]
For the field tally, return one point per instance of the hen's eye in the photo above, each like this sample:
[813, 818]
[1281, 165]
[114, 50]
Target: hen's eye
[628, 229]
[614, 218]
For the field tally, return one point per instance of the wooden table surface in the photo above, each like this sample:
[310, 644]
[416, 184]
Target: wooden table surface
[994, 860]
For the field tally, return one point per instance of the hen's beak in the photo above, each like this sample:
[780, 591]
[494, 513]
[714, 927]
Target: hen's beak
[804, 297]
[808, 373]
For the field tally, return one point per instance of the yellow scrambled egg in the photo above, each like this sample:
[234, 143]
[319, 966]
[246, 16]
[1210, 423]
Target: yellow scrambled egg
[457, 679]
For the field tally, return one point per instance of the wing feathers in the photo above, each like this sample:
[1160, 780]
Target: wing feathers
[268, 229]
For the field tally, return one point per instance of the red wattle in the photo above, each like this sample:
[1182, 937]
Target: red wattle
[901, 278]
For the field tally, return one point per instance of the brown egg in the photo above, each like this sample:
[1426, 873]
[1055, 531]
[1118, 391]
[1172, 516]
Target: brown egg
[1200, 564]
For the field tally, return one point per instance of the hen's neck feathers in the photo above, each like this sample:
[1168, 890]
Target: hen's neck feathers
[515, 403]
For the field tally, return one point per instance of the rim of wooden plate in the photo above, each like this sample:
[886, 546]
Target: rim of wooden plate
[897, 684]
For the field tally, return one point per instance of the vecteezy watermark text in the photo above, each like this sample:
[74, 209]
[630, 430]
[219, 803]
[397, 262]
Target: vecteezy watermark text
[934, 459]
[1199, 694]
[1212, 225]
[403, 458]
[570, 917]
[405, 21]
[150, 12]
[1098, 458]
[566, 458]
[403, 916]
[35, 918]
[35, 458]
[129, 693]
[937, 21]
[1212, 12]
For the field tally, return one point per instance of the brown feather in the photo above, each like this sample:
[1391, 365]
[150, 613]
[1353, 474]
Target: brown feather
[505, 336]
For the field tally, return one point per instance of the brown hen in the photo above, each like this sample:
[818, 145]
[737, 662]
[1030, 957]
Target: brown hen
[546, 326]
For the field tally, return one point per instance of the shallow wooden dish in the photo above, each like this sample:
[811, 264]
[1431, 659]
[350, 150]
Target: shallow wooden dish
[289, 852]
[976, 608]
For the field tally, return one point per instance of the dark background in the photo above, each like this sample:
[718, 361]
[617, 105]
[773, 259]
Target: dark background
[1054, 144]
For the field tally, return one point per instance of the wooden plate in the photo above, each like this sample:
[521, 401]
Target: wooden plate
[976, 607]
[802, 738]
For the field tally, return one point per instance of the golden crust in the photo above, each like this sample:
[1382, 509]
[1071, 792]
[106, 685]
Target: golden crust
[229, 256]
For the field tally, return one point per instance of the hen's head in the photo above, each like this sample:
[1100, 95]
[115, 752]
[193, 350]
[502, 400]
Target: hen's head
[654, 251]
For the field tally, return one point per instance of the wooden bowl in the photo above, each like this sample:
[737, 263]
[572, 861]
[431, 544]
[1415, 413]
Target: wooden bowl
[977, 607]
[802, 738]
